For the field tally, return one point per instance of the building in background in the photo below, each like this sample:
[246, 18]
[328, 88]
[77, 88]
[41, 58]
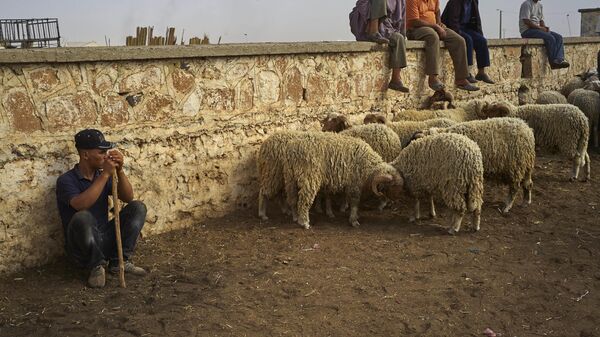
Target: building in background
[590, 21]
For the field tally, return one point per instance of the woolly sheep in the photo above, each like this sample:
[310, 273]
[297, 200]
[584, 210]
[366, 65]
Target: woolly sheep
[269, 161]
[575, 83]
[470, 111]
[589, 103]
[449, 168]
[380, 137]
[508, 149]
[561, 127]
[551, 97]
[406, 129]
[334, 163]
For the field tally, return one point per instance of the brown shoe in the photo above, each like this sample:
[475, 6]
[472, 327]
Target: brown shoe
[97, 278]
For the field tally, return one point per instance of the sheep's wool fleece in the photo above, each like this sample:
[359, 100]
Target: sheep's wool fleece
[381, 138]
[446, 166]
[406, 129]
[588, 102]
[507, 146]
[271, 156]
[468, 112]
[551, 97]
[561, 127]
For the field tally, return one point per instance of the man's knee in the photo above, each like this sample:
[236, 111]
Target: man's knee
[137, 208]
[397, 38]
[81, 228]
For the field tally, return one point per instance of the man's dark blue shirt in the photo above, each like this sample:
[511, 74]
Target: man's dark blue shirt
[71, 184]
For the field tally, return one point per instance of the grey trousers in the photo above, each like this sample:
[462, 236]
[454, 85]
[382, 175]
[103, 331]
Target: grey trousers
[397, 45]
[454, 43]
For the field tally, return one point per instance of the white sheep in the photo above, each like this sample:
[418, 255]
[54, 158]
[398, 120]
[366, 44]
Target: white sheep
[575, 83]
[508, 149]
[334, 163]
[588, 102]
[380, 137]
[561, 127]
[469, 111]
[406, 129]
[447, 167]
[551, 97]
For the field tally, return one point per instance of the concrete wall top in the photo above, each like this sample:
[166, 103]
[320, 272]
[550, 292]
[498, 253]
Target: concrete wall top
[123, 53]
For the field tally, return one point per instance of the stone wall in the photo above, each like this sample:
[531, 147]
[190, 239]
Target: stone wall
[190, 119]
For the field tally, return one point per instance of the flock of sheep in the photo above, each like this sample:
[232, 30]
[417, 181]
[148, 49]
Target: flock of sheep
[434, 155]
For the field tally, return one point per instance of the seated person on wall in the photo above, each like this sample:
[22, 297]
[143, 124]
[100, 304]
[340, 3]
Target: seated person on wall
[383, 21]
[532, 26]
[462, 16]
[82, 195]
[424, 24]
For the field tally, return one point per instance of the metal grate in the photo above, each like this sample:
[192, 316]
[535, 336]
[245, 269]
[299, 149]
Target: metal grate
[29, 33]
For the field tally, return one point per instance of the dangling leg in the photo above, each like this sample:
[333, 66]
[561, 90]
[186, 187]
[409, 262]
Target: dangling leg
[456, 221]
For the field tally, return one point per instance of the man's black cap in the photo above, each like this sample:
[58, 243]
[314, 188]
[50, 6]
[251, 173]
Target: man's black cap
[92, 139]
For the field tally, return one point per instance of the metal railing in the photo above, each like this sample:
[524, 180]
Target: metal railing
[29, 33]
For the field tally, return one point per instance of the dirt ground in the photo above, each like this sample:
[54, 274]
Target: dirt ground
[535, 272]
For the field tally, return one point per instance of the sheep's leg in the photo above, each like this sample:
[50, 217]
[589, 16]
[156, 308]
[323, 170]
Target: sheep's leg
[476, 219]
[382, 203]
[576, 165]
[417, 215]
[262, 205]
[595, 135]
[432, 207]
[586, 169]
[344, 205]
[305, 199]
[354, 200]
[328, 209]
[456, 221]
[291, 191]
[512, 194]
[317, 205]
[527, 187]
[285, 208]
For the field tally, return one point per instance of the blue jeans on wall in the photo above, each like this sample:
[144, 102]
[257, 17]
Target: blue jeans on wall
[91, 244]
[553, 42]
[476, 41]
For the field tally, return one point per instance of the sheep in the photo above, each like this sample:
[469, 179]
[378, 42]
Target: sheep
[334, 163]
[575, 83]
[375, 118]
[380, 137]
[470, 111]
[448, 167]
[588, 102]
[561, 127]
[270, 168]
[406, 129]
[551, 97]
[440, 100]
[508, 149]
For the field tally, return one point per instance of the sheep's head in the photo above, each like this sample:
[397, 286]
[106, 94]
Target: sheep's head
[440, 100]
[388, 184]
[497, 109]
[375, 118]
[335, 123]
[423, 133]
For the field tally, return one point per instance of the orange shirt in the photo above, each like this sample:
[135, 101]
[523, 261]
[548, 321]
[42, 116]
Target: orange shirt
[425, 10]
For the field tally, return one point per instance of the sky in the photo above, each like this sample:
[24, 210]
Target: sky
[239, 21]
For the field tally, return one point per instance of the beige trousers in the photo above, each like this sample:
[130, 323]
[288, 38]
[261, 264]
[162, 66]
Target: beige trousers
[454, 43]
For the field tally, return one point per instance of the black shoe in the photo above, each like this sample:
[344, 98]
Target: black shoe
[467, 87]
[398, 86]
[472, 79]
[485, 78]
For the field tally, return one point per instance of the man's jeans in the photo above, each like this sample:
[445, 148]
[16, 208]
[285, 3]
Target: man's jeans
[91, 244]
[553, 42]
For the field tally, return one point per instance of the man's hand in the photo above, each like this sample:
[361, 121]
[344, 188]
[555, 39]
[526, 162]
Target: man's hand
[440, 31]
[109, 165]
[117, 157]
[545, 29]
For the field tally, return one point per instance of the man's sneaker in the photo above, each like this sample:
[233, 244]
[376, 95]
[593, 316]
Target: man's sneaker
[130, 268]
[97, 277]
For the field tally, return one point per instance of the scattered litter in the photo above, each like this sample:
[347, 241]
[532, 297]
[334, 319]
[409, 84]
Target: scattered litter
[310, 293]
[18, 279]
[416, 234]
[580, 297]
[489, 332]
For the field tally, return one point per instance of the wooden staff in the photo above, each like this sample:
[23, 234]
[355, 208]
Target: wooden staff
[115, 183]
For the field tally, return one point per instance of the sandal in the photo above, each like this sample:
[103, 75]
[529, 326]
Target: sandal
[398, 86]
